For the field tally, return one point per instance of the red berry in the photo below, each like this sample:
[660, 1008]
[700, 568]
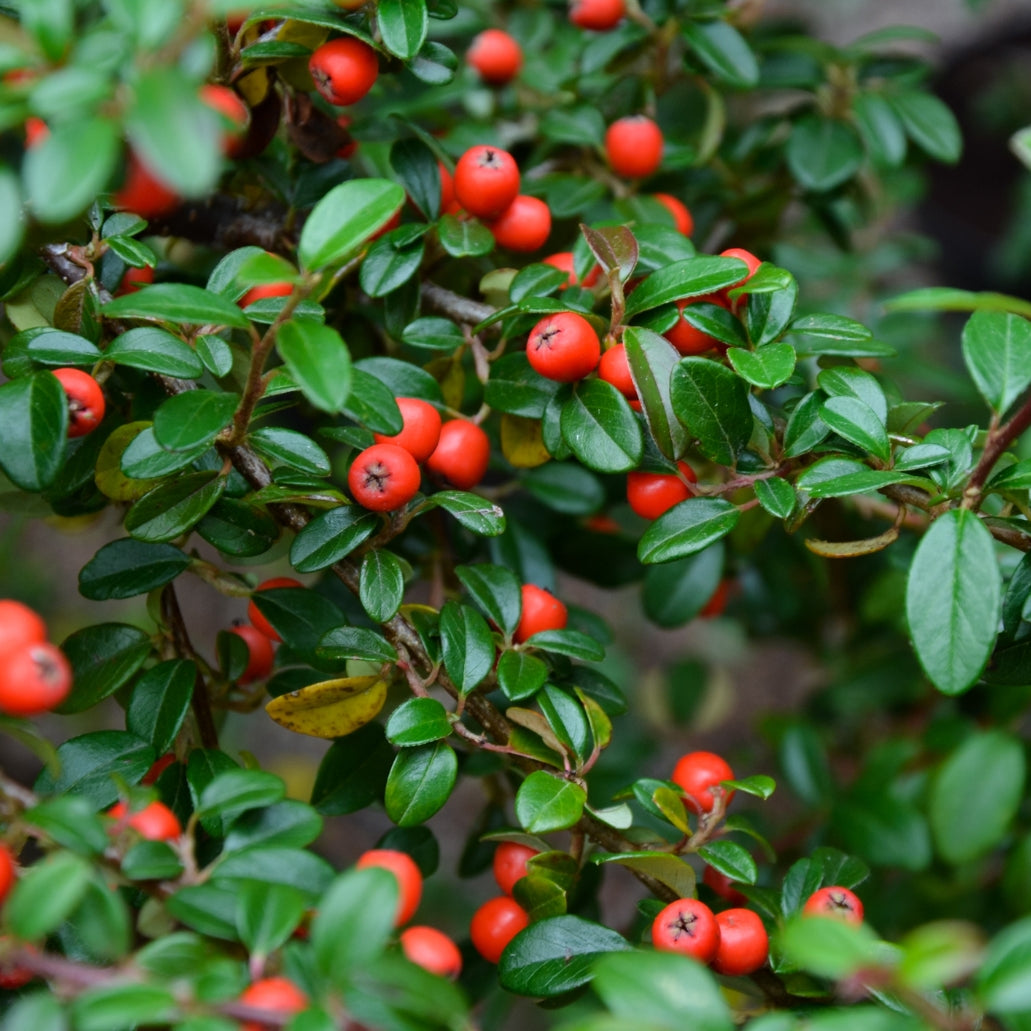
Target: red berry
[85, 401]
[681, 216]
[275, 994]
[143, 193]
[614, 369]
[717, 603]
[747, 257]
[541, 611]
[13, 977]
[686, 338]
[155, 822]
[236, 115]
[564, 260]
[432, 950]
[486, 181]
[421, 431]
[19, 626]
[836, 902]
[461, 455]
[409, 878]
[744, 944]
[263, 290]
[652, 494]
[258, 621]
[344, 70]
[563, 347]
[8, 872]
[496, 56]
[133, 279]
[261, 654]
[36, 131]
[722, 885]
[634, 146]
[34, 679]
[687, 926]
[599, 15]
[697, 773]
[510, 859]
[448, 204]
[348, 149]
[157, 768]
[523, 226]
[495, 924]
[383, 478]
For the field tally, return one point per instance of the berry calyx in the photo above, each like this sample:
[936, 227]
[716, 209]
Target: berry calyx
[432, 950]
[260, 651]
[461, 455]
[687, 926]
[344, 70]
[678, 209]
[510, 859]
[541, 611]
[383, 478]
[688, 339]
[652, 494]
[836, 902]
[409, 878]
[421, 428]
[633, 146]
[85, 401]
[615, 369]
[495, 924]
[496, 56]
[486, 181]
[563, 347]
[697, 773]
[19, 626]
[277, 995]
[34, 679]
[599, 15]
[258, 621]
[744, 944]
[523, 226]
[155, 822]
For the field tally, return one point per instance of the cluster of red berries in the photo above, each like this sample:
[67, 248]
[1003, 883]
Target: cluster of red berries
[35, 676]
[259, 635]
[501, 918]
[386, 476]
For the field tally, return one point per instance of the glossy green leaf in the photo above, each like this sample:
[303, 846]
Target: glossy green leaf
[267, 914]
[496, 591]
[731, 859]
[767, 368]
[997, 353]
[46, 895]
[381, 585]
[515, 388]
[686, 528]
[652, 360]
[880, 127]
[235, 791]
[159, 702]
[415, 165]
[174, 507]
[350, 642]
[568, 642]
[675, 592]
[319, 362]
[690, 277]
[179, 303]
[155, 350]
[545, 802]
[768, 312]
[823, 153]
[55, 347]
[1004, 979]
[353, 772]
[330, 536]
[388, 264]
[954, 600]
[238, 529]
[418, 721]
[468, 645]
[433, 334]
[829, 948]
[473, 511]
[600, 428]
[288, 447]
[777, 496]
[838, 477]
[347, 216]
[420, 782]
[521, 675]
[123, 1007]
[724, 51]
[943, 298]
[857, 422]
[126, 567]
[463, 238]
[193, 418]
[929, 124]
[286, 824]
[668, 869]
[12, 216]
[103, 657]
[90, 762]
[567, 718]
[712, 403]
[34, 429]
[403, 25]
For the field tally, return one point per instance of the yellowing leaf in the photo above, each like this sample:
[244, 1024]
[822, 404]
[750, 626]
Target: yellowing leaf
[111, 481]
[333, 708]
[522, 442]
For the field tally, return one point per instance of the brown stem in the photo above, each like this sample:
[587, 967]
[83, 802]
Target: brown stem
[200, 702]
[997, 443]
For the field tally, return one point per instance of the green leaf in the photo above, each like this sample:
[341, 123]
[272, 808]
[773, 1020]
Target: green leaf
[567, 718]
[238, 529]
[319, 362]
[652, 360]
[331, 536]
[565, 487]
[175, 506]
[777, 496]
[286, 824]
[90, 762]
[403, 25]
[416, 167]
[381, 585]
[954, 600]
[521, 675]
[402, 378]
[474, 512]
[497, 592]
[880, 127]
[712, 402]
[64, 173]
[34, 429]
[545, 802]
[515, 388]
[943, 298]
[350, 642]
[418, 721]
[468, 645]
[600, 428]
[434, 334]
[658, 989]
[997, 353]
[193, 418]
[568, 642]
[55, 347]
[690, 277]
[151, 861]
[173, 130]
[930, 125]
[420, 782]
[126, 567]
[857, 422]
[838, 477]
[724, 51]
[123, 1007]
[552, 957]
[12, 217]
[235, 791]
[822, 153]
[71, 822]
[345, 218]
[267, 914]
[1004, 979]
[829, 948]
[686, 528]
[767, 367]
[179, 303]
[103, 657]
[353, 772]
[675, 592]
[976, 795]
[290, 448]
[39, 1010]
[731, 859]
[464, 238]
[668, 869]
[160, 701]
[46, 895]
[580, 124]
[155, 350]
[435, 64]
[768, 312]
[389, 264]
[803, 760]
